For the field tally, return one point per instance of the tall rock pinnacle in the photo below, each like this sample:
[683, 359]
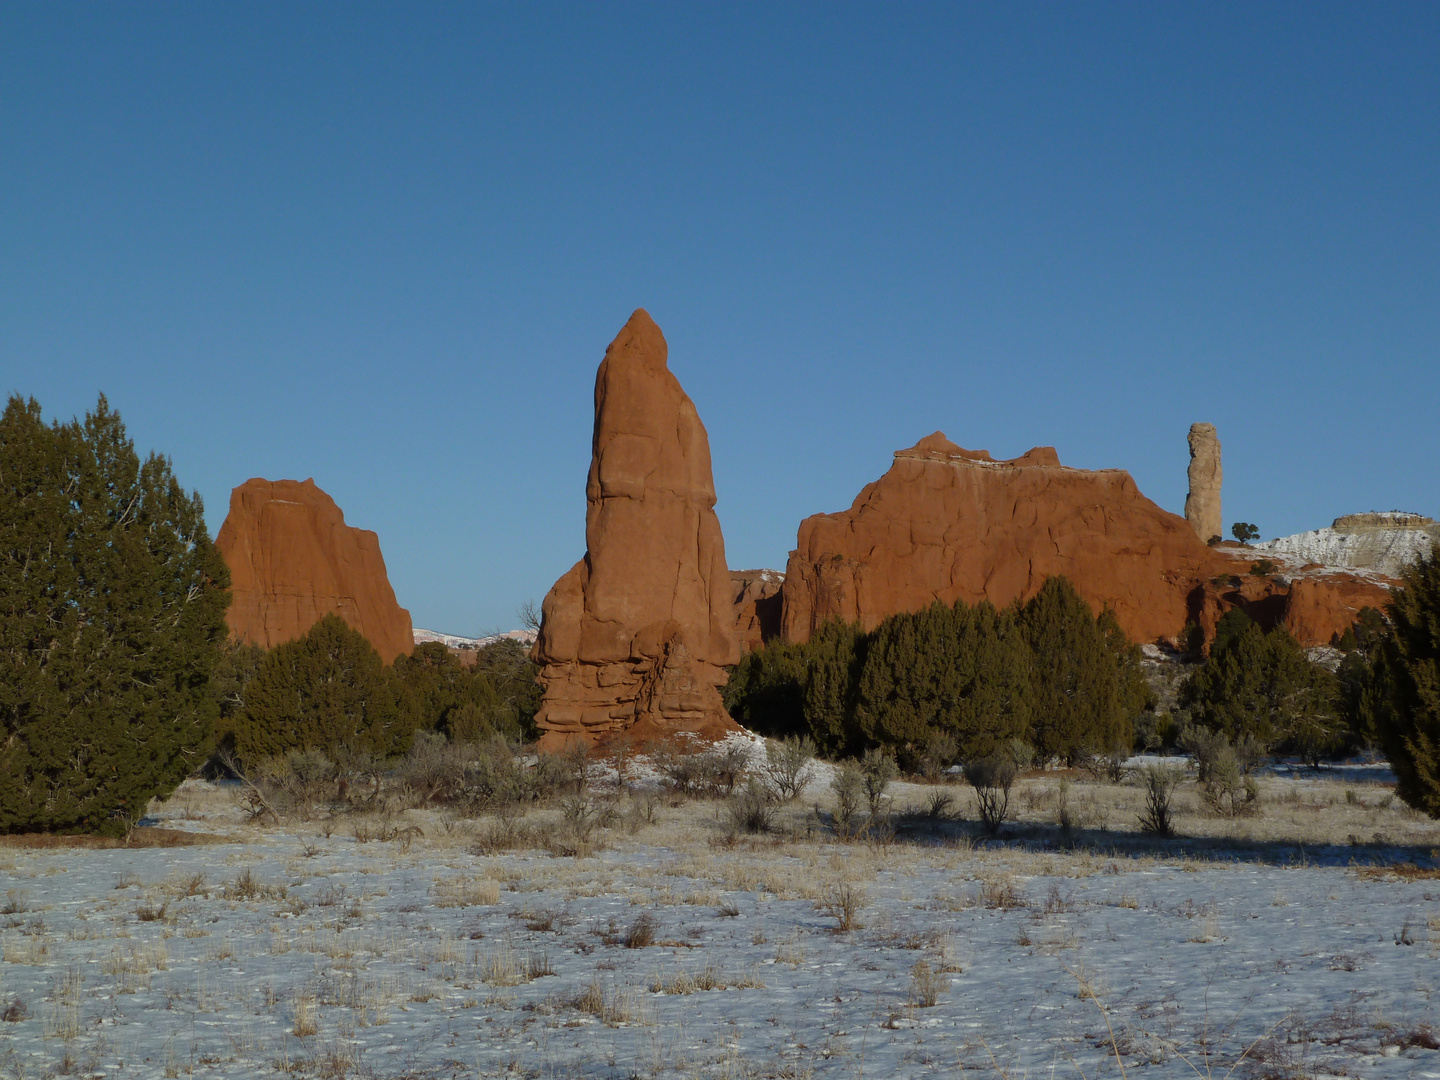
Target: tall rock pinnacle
[1202, 505]
[636, 635]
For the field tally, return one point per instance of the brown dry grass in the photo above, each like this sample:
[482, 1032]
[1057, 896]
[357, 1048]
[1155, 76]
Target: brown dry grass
[146, 836]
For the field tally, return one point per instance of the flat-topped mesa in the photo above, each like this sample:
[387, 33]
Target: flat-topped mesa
[1202, 504]
[635, 637]
[1391, 519]
[947, 524]
[293, 560]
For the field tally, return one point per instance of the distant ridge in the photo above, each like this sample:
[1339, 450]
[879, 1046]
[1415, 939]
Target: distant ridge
[455, 641]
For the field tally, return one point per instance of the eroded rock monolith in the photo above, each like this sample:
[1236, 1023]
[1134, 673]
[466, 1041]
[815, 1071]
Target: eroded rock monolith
[635, 636]
[1202, 504]
[293, 560]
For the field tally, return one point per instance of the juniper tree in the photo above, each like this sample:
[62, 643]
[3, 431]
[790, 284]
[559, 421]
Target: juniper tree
[1081, 698]
[958, 671]
[324, 691]
[1262, 688]
[836, 655]
[112, 605]
[1407, 687]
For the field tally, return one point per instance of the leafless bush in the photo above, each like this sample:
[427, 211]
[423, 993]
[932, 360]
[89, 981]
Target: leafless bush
[842, 902]
[689, 770]
[1160, 782]
[848, 786]
[789, 766]
[938, 805]
[751, 810]
[877, 769]
[992, 777]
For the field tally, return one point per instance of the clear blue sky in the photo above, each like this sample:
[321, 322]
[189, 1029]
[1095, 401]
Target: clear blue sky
[385, 246]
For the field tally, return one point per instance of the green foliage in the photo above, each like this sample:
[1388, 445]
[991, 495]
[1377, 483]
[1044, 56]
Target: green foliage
[1082, 688]
[955, 682]
[112, 605]
[325, 690]
[1405, 692]
[463, 703]
[766, 691]
[1262, 687]
[1245, 531]
[836, 656]
[962, 671]
[507, 666]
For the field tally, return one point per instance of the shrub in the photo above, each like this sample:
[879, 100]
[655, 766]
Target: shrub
[766, 690]
[877, 769]
[789, 766]
[112, 608]
[992, 777]
[1227, 790]
[848, 785]
[842, 902]
[751, 810]
[1160, 782]
[1406, 690]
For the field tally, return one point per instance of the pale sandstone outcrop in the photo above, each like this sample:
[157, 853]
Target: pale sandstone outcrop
[1202, 504]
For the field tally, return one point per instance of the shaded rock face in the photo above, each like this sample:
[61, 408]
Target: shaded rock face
[1202, 504]
[757, 606]
[293, 560]
[946, 523]
[635, 637]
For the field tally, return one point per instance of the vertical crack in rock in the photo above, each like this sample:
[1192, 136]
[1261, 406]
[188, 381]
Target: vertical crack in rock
[635, 638]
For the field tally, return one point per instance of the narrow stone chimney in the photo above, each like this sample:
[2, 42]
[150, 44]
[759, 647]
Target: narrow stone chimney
[1202, 505]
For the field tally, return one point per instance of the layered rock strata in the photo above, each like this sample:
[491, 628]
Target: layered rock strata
[1384, 544]
[293, 560]
[946, 523]
[1202, 504]
[635, 637]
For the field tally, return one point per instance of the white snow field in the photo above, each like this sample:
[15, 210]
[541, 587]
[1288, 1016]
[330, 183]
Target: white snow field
[288, 952]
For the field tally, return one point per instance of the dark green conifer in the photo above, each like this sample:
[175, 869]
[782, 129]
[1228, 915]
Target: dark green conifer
[1263, 689]
[1080, 699]
[323, 691]
[836, 657]
[1406, 687]
[112, 604]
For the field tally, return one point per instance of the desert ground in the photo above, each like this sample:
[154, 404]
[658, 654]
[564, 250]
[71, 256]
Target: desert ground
[637, 932]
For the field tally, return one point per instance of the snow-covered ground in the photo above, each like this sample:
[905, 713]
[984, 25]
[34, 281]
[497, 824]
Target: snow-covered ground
[290, 951]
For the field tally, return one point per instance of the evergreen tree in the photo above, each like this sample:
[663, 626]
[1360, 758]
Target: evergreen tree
[766, 690]
[112, 605]
[323, 691]
[1080, 699]
[836, 656]
[1406, 689]
[959, 671]
[1262, 688]
[513, 676]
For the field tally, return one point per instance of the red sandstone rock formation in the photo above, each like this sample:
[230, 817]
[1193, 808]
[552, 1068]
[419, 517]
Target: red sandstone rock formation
[636, 636]
[757, 606]
[293, 560]
[946, 523]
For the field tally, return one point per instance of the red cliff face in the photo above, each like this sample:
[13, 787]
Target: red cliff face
[946, 523]
[636, 636]
[293, 560]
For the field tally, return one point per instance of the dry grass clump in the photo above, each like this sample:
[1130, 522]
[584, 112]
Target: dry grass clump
[465, 892]
[247, 888]
[926, 985]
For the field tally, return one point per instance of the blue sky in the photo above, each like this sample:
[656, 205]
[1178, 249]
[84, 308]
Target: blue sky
[386, 245]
